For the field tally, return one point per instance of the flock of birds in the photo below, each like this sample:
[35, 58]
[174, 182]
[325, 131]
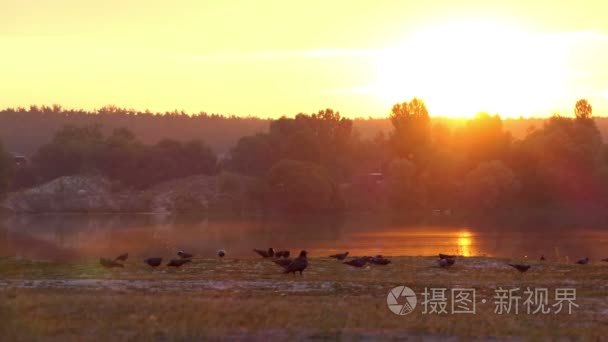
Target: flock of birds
[300, 263]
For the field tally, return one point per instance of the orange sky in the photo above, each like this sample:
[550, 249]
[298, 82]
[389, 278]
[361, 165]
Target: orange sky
[271, 58]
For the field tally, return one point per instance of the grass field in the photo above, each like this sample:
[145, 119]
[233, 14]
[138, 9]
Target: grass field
[252, 299]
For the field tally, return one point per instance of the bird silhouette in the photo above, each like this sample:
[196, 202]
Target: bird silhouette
[340, 256]
[605, 260]
[357, 262]
[282, 254]
[265, 254]
[584, 261]
[184, 255]
[122, 257]
[520, 267]
[154, 262]
[298, 264]
[446, 256]
[283, 262]
[542, 258]
[221, 253]
[109, 263]
[447, 262]
[178, 262]
[379, 260]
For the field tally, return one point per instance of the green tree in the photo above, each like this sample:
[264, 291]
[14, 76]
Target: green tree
[6, 170]
[582, 109]
[298, 186]
[411, 129]
[404, 188]
[491, 185]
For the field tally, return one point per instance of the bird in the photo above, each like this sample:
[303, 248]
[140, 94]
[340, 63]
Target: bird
[520, 267]
[178, 262]
[282, 254]
[154, 262]
[447, 262]
[184, 255]
[265, 254]
[584, 261]
[122, 257]
[605, 260]
[357, 262]
[379, 260]
[221, 253]
[283, 262]
[109, 263]
[340, 256]
[446, 256]
[298, 264]
[542, 258]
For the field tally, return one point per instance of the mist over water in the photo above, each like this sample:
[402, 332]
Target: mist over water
[81, 237]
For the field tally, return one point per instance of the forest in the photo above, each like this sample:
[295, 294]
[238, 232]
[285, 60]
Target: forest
[324, 161]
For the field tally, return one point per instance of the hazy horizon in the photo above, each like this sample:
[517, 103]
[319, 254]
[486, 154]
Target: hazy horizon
[267, 59]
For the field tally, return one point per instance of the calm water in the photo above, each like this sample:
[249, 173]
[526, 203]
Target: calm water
[76, 237]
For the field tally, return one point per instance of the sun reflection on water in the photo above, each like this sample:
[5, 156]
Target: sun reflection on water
[464, 242]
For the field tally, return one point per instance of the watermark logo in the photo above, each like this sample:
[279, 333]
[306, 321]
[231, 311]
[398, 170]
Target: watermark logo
[401, 300]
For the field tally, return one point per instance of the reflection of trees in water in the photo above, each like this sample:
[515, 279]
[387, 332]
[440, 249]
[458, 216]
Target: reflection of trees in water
[148, 235]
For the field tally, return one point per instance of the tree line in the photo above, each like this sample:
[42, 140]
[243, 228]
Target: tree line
[319, 162]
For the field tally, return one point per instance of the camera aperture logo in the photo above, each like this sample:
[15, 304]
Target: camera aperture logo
[401, 300]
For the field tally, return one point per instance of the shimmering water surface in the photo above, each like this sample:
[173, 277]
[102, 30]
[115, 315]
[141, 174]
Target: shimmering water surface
[76, 237]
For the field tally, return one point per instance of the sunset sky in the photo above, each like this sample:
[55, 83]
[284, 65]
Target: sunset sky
[272, 58]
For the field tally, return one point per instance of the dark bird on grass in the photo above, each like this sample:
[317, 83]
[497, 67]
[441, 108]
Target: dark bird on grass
[178, 262]
[340, 256]
[542, 258]
[184, 255]
[446, 256]
[122, 257]
[154, 262]
[298, 264]
[221, 253]
[357, 262]
[109, 263]
[447, 262]
[520, 267]
[379, 260]
[584, 261]
[265, 254]
[282, 254]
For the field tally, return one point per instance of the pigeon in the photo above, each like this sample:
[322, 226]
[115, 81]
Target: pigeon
[154, 262]
[298, 264]
[282, 254]
[542, 258]
[265, 254]
[358, 262]
[446, 256]
[178, 262]
[340, 256]
[109, 263]
[447, 262]
[221, 253]
[520, 267]
[122, 257]
[184, 255]
[379, 260]
[283, 262]
[584, 261]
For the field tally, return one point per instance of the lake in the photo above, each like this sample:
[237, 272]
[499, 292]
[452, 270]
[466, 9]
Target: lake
[63, 237]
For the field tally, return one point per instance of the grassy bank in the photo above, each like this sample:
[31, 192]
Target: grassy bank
[241, 298]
